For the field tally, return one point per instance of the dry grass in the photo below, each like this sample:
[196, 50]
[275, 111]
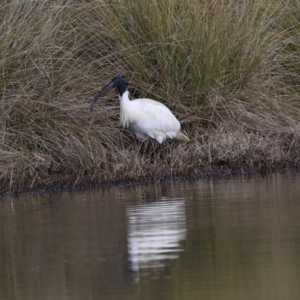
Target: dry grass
[228, 69]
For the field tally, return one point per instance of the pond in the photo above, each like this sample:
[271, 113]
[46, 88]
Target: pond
[233, 238]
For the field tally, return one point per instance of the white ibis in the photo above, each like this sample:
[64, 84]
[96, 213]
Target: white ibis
[145, 117]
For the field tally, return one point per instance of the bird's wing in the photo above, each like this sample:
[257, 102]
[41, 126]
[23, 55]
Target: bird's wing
[155, 115]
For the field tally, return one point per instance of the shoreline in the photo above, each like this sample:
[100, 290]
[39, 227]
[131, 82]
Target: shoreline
[215, 174]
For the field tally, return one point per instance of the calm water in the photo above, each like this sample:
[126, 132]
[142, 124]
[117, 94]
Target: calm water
[235, 238]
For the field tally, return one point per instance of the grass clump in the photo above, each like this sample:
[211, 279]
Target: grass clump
[228, 69]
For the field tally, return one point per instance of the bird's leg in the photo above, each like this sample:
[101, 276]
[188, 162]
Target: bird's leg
[145, 148]
[142, 148]
[161, 150]
[152, 149]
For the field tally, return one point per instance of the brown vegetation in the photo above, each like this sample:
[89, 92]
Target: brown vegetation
[229, 70]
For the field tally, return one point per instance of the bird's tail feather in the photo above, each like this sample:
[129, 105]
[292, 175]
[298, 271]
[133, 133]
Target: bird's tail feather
[181, 137]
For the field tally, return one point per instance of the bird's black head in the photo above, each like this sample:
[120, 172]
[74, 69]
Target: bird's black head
[116, 82]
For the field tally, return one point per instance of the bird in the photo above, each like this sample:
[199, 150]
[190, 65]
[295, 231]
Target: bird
[145, 118]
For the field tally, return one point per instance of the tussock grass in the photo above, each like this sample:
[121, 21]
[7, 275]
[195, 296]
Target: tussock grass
[228, 69]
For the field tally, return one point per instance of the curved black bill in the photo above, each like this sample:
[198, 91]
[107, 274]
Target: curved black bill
[101, 93]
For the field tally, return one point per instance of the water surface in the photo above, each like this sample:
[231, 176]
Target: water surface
[236, 238]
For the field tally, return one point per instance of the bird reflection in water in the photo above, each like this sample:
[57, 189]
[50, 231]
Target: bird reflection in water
[155, 233]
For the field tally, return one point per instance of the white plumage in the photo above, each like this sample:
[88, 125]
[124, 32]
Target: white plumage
[145, 117]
